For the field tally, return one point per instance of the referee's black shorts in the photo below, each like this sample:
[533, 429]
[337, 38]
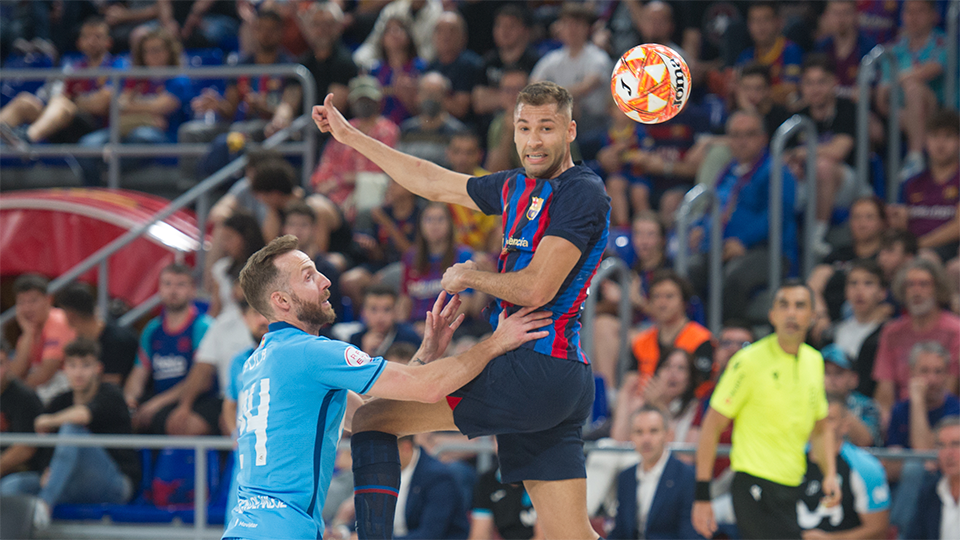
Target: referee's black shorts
[764, 509]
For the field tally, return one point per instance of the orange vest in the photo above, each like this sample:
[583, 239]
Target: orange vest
[646, 346]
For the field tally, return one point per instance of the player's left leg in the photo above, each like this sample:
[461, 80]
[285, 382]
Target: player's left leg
[561, 507]
[400, 418]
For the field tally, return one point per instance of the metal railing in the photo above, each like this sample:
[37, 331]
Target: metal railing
[612, 266]
[685, 213]
[114, 150]
[777, 144]
[198, 191]
[865, 78]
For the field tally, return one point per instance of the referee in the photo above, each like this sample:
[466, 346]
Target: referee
[774, 390]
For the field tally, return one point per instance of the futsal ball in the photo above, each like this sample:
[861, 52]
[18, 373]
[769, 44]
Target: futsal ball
[650, 83]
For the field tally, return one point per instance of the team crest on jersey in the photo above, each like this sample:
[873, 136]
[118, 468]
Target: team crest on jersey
[536, 204]
[355, 357]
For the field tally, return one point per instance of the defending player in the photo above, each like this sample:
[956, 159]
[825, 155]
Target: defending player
[535, 399]
[295, 386]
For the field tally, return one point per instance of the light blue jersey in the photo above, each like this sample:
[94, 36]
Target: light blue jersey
[290, 417]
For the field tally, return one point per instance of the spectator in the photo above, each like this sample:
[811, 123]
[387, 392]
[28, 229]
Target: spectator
[427, 134]
[929, 200]
[434, 251]
[19, 407]
[771, 49]
[241, 237]
[429, 504]
[859, 334]
[579, 66]
[398, 69]
[922, 289]
[381, 330]
[167, 348]
[62, 113]
[879, 20]
[511, 35]
[476, 230]
[844, 44]
[937, 507]
[198, 23]
[840, 379]
[44, 332]
[253, 106]
[301, 221]
[503, 510]
[293, 15]
[867, 223]
[835, 119]
[502, 152]
[342, 167]
[897, 248]
[461, 67]
[627, 185]
[863, 511]
[423, 16]
[753, 92]
[75, 474]
[328, 60]
[654, 497]
[240, 197]
[672, 388]
[921, 53]
[151, 110]
[118, 345]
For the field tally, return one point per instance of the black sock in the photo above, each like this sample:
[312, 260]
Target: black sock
[376, 480]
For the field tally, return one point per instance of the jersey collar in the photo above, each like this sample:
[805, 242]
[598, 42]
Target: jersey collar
[280, 325]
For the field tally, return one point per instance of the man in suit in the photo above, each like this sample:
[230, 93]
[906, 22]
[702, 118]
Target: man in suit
[429, 504]
[654, 497]
[938, 507]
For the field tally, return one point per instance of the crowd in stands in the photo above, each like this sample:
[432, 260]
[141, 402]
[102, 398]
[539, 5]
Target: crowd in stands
[438, 79]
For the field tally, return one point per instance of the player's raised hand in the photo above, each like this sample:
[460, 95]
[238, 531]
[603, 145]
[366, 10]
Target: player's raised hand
[329, 120]
[521, 327]
[454, 279]
[441, 322]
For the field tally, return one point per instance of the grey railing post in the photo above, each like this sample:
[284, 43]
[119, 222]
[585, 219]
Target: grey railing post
[777, 144]
[200, 489]
[612, 265]
[865, 77]
[103, 288]
[715, 284]
[113, 159]
[953, 21]
[203, 212]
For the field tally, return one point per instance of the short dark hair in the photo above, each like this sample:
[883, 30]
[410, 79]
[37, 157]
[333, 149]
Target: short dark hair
[945, 422]
[756, 69]
[401, 351]
[270, 15]
[891, 237]
[870, 266]
[945, 120]
[578, 10]
[667, 274]
[517, 12]
[274, 175]
[648, 408]
[30, 282]
[81, 347]
[818, 61]
[878, 205]
[772, 5]
[467, 133]
[299, 207]
[544, 92]
[95, 20]
[260, 273]
[179, 269]
[793, 283]
[380, 289]
[77, 297]
[739, 324]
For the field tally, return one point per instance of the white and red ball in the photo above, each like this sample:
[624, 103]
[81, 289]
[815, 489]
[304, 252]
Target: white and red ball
[650, 83]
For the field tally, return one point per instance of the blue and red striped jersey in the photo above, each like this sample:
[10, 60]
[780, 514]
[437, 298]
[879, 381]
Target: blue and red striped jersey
[573, 206]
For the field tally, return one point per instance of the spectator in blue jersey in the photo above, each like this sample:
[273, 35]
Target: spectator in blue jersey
[167, 347]
[654, 497]
[432, 506]
[845, 44]
[381, 330]
[770, 48]
[454, 61]
[151, 110]
[556, 218]
[864, 509]
[398, 69]
[299, 390]
[938, 507]
[620, 158]
[840, 378]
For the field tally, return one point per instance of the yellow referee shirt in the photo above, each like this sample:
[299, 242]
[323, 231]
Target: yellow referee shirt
[774, 399]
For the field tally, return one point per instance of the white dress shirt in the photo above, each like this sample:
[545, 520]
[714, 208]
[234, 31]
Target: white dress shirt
[950, 515]
[406, 476]
[647, 483]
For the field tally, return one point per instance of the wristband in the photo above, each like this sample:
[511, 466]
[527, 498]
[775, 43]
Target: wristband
[702, 493]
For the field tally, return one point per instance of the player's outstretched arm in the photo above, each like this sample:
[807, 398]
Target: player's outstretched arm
[417, 175]
[431, 382]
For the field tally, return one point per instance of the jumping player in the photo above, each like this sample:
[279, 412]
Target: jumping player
[294, 392]
[535, 399]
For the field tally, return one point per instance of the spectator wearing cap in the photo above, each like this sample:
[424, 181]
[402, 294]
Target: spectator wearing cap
[840, 378]
[511, 35]
[579, 66]
[938, 508]
[459, 65]
[336, 175]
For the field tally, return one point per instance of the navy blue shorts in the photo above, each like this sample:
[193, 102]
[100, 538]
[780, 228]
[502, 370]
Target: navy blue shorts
[536, 405]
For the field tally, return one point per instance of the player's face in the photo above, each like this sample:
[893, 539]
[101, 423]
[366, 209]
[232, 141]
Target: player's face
[943, 148]
[81, 371]
[792, 312]
[309, 289]
[649, 435]
[176, 291]
[33, 306]
[921, 292]
[667, 300]
[543, 135]
[948, 451]
[863, 291]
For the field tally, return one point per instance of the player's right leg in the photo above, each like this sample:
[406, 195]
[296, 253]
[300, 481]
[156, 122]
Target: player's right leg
[401, 418]
[561, 508]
